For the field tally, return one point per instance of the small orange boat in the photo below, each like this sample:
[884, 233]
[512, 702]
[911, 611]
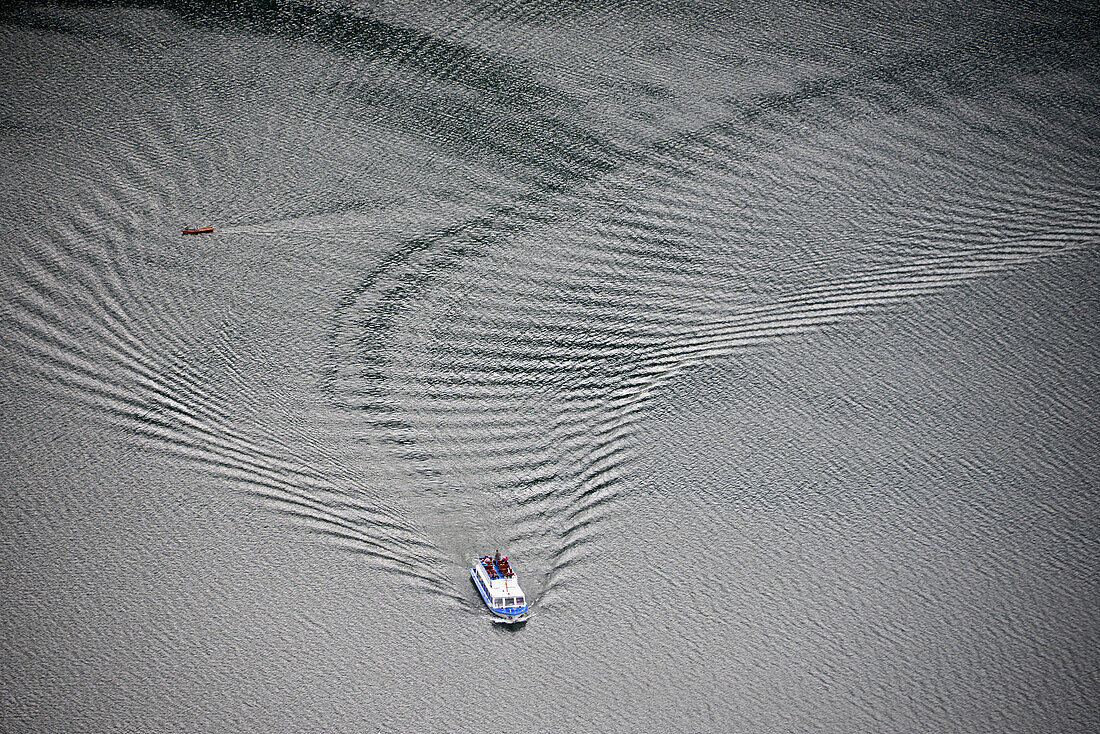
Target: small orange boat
[198, 230]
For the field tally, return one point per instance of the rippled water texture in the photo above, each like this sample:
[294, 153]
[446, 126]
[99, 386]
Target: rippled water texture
[764, 339]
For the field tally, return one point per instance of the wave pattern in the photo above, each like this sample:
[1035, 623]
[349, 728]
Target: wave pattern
[511, 358]
[77, 316]
[608, 217]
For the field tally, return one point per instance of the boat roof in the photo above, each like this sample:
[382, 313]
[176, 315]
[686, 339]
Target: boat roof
[505, 587]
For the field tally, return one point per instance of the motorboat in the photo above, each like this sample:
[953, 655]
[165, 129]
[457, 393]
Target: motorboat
[500, 590]
[198, 230]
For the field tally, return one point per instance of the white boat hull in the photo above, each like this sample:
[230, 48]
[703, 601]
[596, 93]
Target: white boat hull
[506, 615]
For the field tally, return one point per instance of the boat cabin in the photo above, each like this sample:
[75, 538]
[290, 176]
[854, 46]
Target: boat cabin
[499, 581]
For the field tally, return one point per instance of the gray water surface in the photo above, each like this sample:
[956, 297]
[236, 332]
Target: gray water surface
[764, 340]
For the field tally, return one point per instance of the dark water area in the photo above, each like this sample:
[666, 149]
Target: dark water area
[764, 339]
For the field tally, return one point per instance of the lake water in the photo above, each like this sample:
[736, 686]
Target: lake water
[764, 340]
